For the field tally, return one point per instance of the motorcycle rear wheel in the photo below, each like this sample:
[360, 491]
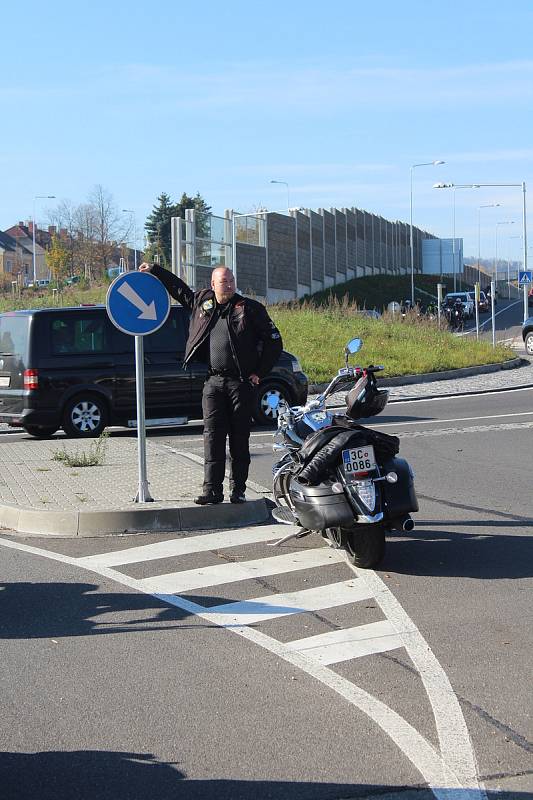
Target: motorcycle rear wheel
[365, 544]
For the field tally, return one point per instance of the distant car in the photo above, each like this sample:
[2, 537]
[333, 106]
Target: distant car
[369, 312]
[527, 335]
[483, 304]
[72, 279]
[464, 298]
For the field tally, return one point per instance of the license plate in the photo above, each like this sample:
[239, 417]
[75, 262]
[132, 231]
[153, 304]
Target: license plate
[5, 381]
[358, 460]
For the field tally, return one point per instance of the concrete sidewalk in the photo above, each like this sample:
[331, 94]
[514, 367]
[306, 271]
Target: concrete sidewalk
[40, 495]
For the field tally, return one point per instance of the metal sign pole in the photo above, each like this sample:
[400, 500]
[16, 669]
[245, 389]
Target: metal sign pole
[476, 300]
[492, 288]
[525, 302]
[143, 494]
[440, 287]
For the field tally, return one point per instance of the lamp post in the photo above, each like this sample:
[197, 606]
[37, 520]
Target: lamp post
[506, 222]
[489, 205]
[134, 221]
[38, 197]
[413, 166]
[288, 192]
[455, 186]
[518, 236]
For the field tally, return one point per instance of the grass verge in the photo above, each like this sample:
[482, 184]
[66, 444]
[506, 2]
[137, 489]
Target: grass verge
[406, 346]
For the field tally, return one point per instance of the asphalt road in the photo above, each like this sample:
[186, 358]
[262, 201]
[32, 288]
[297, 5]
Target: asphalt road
[109, 691]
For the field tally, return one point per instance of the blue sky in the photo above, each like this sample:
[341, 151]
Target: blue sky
[338, 99]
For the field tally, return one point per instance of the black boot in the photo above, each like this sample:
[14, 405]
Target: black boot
[209, 499]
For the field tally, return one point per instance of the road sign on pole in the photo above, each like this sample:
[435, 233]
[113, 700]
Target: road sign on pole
[525, 277]
[138, 304]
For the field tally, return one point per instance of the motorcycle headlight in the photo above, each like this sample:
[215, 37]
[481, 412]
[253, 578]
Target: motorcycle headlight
[296, 366]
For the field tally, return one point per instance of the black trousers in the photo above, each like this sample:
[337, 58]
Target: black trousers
[227, 410]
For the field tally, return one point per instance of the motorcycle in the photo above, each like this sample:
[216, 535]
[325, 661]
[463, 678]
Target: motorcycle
[341, 479]
[455, 316]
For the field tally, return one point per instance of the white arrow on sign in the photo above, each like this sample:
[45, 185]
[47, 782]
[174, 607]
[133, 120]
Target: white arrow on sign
[147, 311]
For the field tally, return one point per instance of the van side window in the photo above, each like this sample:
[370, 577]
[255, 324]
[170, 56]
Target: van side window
[76, 335]
[171, 337]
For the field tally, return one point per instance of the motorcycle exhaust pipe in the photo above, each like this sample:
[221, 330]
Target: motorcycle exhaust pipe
[404, 524]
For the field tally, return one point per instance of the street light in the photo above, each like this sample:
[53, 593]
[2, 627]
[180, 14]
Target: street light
[506, 222]
[38, 197]
[288, 193]
[455, 186]
[132, 212]
[413, 166]
[489, 205]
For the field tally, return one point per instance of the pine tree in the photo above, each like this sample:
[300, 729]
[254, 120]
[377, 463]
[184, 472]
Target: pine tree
[157, 225]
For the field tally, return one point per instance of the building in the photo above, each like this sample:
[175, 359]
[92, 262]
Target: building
[16, 260]
[282, 256]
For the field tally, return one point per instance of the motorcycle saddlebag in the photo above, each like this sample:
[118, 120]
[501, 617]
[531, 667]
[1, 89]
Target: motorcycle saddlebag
[399, 498]
[319, 507]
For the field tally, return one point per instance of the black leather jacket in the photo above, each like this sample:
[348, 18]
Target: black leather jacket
[255, 340]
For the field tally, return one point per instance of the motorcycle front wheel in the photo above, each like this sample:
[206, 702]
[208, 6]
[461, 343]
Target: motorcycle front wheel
[365, 544]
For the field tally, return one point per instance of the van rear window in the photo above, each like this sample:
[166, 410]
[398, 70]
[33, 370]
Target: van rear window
[75, 335]
[14, 335]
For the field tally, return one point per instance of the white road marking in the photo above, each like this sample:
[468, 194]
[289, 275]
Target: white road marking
[453, 770]
[231, 573]
[450, 397]
[516, 426]
[454, 739]
[362, 640]
[179, 547]
[456, 419]
[249, 612]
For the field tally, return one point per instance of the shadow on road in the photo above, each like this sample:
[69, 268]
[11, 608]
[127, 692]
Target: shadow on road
[101, 775]
[480, 554]
[45, 610]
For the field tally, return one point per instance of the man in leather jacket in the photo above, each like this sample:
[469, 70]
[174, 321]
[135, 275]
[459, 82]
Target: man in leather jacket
[240, 344]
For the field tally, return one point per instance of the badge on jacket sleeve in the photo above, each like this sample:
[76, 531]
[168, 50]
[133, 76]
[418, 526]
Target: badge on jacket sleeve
[207, 305]
[275, 334]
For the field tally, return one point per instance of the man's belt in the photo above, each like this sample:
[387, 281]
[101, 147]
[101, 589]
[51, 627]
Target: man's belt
[223, 373]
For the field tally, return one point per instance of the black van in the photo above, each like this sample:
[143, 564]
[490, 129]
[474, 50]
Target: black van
[71, 368]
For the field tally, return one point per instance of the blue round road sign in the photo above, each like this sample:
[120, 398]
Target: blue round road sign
[137, 303]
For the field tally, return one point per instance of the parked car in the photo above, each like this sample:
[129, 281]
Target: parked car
[527, 335]
[467, 302]
[71, 368]
[483, 303]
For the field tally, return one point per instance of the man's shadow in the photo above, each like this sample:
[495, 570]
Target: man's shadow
[48, 610]
[110, 775]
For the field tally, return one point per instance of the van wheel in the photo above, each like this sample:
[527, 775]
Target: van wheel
[85, 416]
[40, 431]
[262, 411]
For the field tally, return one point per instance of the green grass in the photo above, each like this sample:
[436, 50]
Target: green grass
[403, 346]
[93, 457]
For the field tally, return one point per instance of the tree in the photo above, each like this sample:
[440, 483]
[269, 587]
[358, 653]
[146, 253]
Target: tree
[58, 258]
[157, 224]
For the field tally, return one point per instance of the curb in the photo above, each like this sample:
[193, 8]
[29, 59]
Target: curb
[70, 524]
[430, 377]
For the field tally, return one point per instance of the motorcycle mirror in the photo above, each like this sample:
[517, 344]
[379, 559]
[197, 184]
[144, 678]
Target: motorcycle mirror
[273, 401]
[354, 345]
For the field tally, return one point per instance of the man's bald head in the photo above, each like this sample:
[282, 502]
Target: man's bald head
[223, 284]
